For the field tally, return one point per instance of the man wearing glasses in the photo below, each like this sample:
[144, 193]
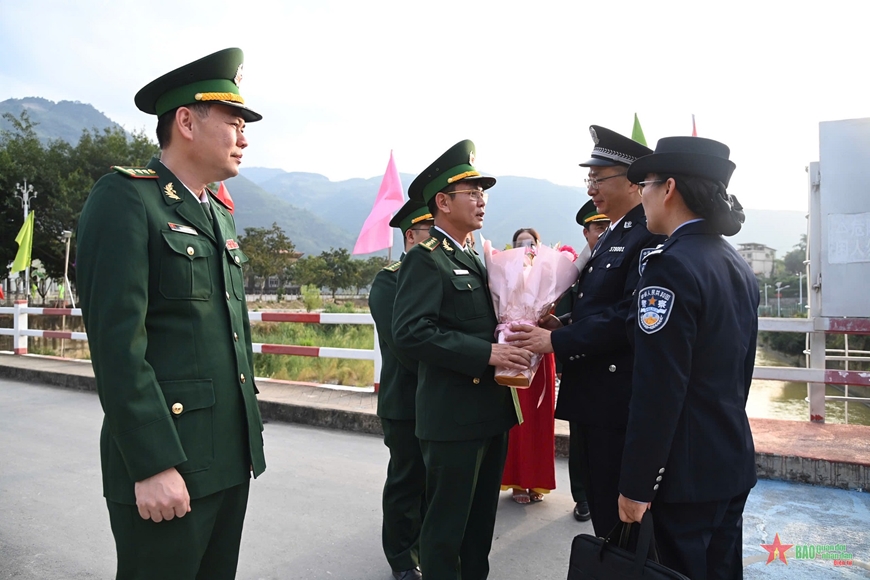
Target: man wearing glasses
[444, 319]
[404, 496]
[594, 350]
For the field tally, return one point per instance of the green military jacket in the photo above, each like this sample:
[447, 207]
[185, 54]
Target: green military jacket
[398, 383]
[163, 301]
[443, 317]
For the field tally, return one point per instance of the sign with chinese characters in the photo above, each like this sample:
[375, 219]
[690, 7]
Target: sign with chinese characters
[848, 238]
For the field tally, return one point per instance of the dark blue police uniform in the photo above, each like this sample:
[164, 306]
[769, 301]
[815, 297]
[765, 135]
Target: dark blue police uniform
[597, 360]
[688, 439]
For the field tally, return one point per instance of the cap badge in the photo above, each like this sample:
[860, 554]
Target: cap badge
[238, 78]
[471, 158]
[594, 135]
[169, 190]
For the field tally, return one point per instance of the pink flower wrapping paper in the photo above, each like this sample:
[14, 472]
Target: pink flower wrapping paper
[524, 284]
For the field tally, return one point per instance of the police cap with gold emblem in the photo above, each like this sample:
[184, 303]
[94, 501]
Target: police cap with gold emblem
[456, 164]
[589, 213]
[212, 79]
[612, 149]
[411, 213]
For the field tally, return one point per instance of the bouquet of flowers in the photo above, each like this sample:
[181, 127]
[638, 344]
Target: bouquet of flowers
[525, 283]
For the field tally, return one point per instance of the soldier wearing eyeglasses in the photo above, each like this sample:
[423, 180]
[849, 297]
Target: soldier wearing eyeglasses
[593, 348]
[444, 319]
[404, 497]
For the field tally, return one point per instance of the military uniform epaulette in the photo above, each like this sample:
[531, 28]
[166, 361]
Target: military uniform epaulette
[430, 243]
[393, 267]
[138, 172]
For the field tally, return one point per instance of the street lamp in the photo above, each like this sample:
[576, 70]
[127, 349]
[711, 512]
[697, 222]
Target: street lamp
[779, 289]
[766, 286]
[27, 193]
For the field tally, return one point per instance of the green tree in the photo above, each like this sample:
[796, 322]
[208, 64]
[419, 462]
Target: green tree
[793, 261]
[344, 269]
[270, 253]
[312, 271]
[367, 270]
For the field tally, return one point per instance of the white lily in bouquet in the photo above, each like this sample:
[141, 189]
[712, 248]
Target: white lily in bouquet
[525, 283]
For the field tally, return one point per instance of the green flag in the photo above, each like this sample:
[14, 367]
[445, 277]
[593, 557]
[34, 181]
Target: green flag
[25, 244]
[637, 132]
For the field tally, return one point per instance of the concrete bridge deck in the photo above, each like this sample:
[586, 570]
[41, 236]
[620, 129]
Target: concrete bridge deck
[315, 513]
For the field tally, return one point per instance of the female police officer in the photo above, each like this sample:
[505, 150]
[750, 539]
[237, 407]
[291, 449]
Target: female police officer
[688, 449]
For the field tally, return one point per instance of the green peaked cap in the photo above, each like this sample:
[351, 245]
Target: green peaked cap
[455, 164]
[589, 213]
[212, 79]
[411, 213]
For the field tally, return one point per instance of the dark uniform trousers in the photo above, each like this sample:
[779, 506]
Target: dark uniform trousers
[596, 448]
[404, 506]
[204, 544]
[459, 527]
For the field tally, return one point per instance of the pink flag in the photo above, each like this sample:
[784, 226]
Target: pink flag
[694, 131]
[223, 194]
[376, 233]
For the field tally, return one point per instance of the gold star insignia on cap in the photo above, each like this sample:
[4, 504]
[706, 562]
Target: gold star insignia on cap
[169, 190]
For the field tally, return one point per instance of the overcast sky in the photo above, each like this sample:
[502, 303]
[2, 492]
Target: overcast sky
[342, 82]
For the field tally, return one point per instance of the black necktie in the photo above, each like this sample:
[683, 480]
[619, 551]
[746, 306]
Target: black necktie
[601, 240]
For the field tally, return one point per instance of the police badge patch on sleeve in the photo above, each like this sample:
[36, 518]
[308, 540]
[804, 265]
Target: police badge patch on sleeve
[654, 305]
[644, 254]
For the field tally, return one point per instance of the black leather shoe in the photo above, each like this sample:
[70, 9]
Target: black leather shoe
[412, 574]
[581, 512]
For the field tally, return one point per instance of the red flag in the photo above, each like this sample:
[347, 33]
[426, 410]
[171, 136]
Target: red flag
[694, 131]
[376, 233]
[1, 293]
[223, 194]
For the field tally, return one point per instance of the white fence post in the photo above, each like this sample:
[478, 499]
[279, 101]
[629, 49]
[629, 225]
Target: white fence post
[19, 323]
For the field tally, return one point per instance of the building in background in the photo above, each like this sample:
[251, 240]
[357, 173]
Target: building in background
[759, 257]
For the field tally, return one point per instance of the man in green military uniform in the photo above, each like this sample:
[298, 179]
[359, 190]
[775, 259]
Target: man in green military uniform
[593, 221]
[405, 489]
[444, 319]
[159, 272]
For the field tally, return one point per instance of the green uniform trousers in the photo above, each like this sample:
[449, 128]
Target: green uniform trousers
[463, 480]
[202, 545]
[404, 500]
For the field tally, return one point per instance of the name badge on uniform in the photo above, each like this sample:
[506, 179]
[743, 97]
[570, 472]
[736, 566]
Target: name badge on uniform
[460, 272]
[232, 245]
[183, 229]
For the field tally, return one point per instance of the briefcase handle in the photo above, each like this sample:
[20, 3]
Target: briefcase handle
[646, 542]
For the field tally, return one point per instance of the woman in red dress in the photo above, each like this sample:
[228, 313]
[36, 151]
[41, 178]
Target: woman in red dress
[530, 468]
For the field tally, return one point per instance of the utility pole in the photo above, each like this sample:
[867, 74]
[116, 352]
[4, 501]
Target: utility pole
[27, 193]
[779, 289]
[800, 290]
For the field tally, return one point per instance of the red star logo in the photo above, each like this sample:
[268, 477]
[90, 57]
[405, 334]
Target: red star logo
[777, 550]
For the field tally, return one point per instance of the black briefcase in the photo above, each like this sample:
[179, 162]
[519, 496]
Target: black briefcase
[607, 559]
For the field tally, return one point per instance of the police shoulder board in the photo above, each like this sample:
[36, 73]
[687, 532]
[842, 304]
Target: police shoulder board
[430, 243]
[393, 267]
[137, 172]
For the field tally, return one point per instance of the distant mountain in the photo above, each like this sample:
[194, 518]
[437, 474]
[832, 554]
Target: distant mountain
[64, 120]
[256, 207]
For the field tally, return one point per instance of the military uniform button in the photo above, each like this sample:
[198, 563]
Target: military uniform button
[607, 266]
[476, 381]
[189, 250]
[659, 478]
[242, 378]
[238, 259]
[583, 355]
[580, 295]
[662, 470]
[590, 268]
[655, 487]
[236, 336]
[228, 295]
[177, 408]
[612, 368]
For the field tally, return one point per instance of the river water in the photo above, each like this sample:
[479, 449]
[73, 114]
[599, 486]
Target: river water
[787, 400]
